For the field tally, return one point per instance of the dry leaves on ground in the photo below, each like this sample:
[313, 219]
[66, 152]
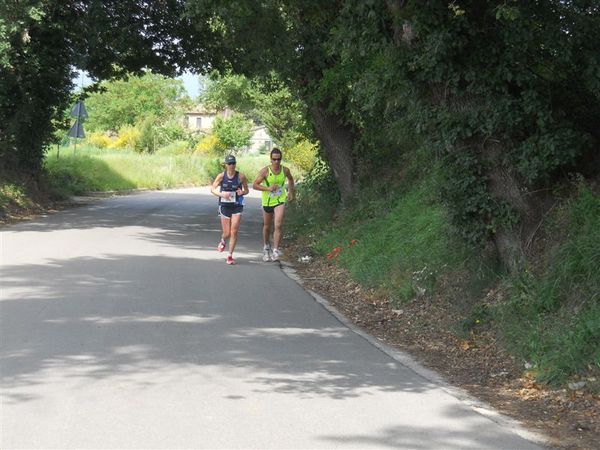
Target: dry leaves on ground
[426, 328]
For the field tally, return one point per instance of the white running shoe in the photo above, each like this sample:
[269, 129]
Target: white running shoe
[276, 254]
[266, 253]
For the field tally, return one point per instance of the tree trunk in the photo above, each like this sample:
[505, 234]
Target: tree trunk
[511, 242]
[337, 140]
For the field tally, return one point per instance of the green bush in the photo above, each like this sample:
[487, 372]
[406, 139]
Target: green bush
[148, 140]
[214, 166]
[316, 199]
[303, 155]
[175, 148]
[233, 132]
[171, 131]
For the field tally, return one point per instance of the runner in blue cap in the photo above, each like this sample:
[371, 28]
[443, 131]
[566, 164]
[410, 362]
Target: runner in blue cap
[230, 186]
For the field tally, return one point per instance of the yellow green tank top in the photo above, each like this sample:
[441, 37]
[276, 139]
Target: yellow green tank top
[279, 195]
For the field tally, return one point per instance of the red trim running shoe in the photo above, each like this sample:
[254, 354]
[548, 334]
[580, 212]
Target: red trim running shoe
[221, 246]
[230, 260]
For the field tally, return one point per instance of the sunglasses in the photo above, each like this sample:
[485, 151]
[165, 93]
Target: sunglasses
[275, 159]
[230, 164]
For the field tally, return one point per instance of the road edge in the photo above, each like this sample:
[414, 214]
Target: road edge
[408, 361]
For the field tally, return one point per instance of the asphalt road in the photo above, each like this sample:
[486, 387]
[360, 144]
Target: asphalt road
[122, 327]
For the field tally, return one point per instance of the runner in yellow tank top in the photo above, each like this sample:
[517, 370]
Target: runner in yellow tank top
[271, 181]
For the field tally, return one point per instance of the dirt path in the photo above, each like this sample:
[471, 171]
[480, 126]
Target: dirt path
[427, 329]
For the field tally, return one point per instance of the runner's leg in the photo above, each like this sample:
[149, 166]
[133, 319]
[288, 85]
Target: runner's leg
[226, 227]
[277, 234]
[267, 226]
[235, 226]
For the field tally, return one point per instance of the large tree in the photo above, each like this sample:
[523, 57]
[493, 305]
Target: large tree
[108, 38]
[288, 37]
[506, 94]
[268, 102]
[41, 44]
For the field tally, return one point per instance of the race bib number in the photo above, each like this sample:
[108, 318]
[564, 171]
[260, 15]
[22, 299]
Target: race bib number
[276, 193]
[232, 198]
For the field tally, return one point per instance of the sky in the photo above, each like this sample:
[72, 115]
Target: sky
[191, 83]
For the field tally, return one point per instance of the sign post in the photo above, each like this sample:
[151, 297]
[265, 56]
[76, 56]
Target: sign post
[80, 115]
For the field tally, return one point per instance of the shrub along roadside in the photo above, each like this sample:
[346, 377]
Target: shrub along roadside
[23, 196]
[401, 243]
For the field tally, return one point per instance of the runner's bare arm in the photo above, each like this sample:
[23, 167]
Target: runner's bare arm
[260, 178]
[244, 190]
[290, 189]
[215, 186]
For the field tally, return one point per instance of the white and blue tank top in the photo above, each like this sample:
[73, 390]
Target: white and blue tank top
[231, 185]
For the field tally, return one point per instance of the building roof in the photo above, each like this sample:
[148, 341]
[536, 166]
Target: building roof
[201, 109]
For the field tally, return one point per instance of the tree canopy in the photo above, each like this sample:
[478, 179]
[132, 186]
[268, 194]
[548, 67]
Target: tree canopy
[233, 132]
[42, 42]
[267, 102]
[505, 93]
[129, 101]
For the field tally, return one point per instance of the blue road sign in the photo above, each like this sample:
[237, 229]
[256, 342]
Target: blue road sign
[79, 111]
[76, 130]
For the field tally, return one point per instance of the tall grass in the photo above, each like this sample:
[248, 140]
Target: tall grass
[91, 169]
[553, 316]
[13, 195]
[394, 238]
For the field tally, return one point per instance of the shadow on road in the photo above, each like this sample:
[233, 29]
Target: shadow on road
[85, 317]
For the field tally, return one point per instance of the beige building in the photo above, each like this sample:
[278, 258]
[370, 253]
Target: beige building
[201, 119]
[260, 140]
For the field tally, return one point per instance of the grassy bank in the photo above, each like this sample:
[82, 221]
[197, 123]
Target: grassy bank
[392, 238]
[89, 169]
[552, 317]
[70, 171]
[398, 240]
[13, 197]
